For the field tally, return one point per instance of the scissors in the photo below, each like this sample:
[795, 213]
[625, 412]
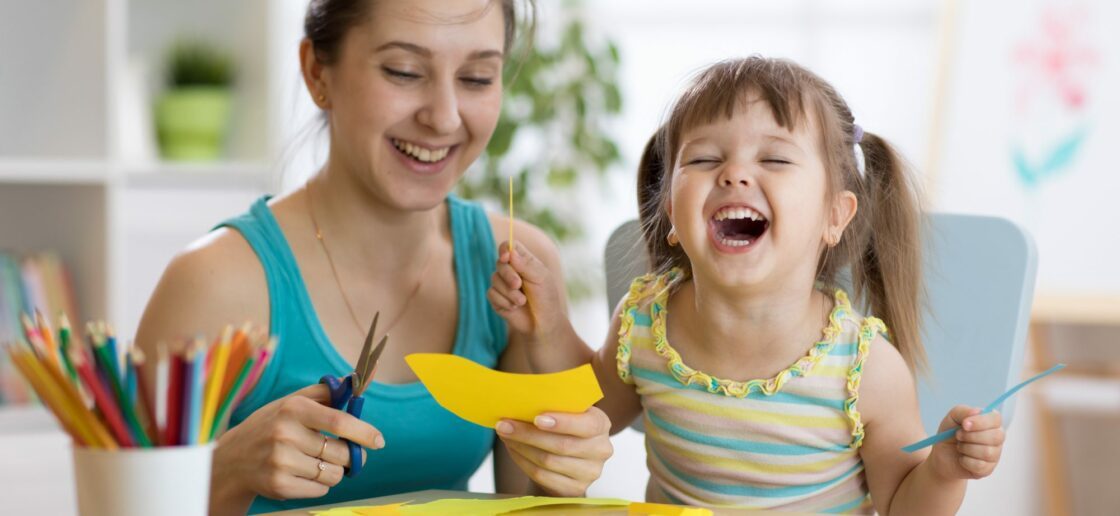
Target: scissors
[346, 392]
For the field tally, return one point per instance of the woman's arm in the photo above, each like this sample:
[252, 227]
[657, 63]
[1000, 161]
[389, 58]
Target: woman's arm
[276, 451]
[926, 481]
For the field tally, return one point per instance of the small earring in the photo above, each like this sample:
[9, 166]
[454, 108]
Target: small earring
[672, 237]
[321, 98]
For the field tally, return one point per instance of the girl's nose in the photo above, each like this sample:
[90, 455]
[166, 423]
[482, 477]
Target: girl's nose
[734, 174]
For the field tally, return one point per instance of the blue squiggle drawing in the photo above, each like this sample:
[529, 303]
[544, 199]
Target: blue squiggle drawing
[1053, 163]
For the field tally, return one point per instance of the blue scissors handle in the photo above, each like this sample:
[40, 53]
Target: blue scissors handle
[342, 398]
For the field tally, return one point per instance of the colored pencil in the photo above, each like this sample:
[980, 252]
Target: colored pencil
[264, 355]
[161, 399]
[197, 360]
[176, 395]
[214, 385]
[104, 401]
[51, 398]
[64, 336]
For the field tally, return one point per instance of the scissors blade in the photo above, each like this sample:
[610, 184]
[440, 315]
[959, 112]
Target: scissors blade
[366, 375]
[363, 358]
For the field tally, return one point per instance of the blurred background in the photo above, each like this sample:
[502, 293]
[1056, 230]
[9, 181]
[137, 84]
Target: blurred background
[128, 128]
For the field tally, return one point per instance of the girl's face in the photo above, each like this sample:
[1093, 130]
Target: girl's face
[414, 96]
[748, 200]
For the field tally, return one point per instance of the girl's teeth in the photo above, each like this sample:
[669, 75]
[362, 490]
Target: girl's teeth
[734, 243]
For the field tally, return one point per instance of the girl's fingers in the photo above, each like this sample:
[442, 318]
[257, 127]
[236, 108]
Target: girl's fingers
[982, 452]
[500, 302]
[509, 276]
[993, 437]
[531, 269]
[976, 467]
[982, 422]
[514, 295]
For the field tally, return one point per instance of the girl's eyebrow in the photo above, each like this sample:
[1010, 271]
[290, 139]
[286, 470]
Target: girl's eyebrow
[782, 139]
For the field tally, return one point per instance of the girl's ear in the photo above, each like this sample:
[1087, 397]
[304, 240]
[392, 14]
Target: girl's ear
[844, 207]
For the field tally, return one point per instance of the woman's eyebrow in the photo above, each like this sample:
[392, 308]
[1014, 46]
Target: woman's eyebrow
[425, 52]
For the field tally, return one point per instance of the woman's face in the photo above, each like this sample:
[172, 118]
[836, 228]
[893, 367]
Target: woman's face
[414, 96]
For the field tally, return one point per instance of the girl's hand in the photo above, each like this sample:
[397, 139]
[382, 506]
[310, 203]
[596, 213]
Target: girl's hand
[976, 448]
[523, 292]
[276, 451]
[561, 453]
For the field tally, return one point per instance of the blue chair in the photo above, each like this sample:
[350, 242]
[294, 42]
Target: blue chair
[979, 276]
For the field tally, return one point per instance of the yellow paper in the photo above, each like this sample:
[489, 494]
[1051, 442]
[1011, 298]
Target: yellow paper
[373, 510]
[504, 506]
[484, 396]
[660, 509]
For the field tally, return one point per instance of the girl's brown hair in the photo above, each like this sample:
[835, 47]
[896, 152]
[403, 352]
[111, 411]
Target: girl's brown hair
[881, 245]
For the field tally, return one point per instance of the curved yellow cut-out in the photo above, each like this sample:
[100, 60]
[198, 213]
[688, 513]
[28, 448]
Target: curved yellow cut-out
[484, 396]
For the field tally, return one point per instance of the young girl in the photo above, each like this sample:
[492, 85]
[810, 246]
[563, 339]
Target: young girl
[759, 383]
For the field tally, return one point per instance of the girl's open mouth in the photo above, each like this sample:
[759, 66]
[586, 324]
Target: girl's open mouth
[734, 229]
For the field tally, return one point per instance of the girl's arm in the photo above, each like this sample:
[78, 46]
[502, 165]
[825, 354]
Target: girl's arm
[528, 291]
[928, 481]
[620, 400]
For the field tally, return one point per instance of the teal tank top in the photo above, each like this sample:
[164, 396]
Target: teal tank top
[427, 447]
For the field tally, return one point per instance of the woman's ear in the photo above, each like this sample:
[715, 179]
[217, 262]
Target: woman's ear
[313, 74]
[844, 207]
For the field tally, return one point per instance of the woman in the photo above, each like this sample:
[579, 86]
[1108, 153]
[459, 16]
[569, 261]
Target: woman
[411, 90]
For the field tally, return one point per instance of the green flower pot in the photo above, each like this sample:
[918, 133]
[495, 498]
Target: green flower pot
[192, 122]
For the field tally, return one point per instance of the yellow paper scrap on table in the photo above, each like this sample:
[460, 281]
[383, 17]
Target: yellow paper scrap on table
[373, 510]
[660, 509]
[484, 396]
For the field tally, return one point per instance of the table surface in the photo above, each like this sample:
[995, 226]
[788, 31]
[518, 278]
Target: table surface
[433, 495]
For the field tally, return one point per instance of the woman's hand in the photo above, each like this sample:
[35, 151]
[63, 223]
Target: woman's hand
[976, 448]
[524, 293]
[561, 453]
[277, 451]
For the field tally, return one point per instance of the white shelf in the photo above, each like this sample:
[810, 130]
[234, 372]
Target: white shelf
[240, 175]
[61, 171]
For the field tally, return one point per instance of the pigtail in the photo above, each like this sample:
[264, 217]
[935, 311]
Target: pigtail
[654, 220]
[887, 272]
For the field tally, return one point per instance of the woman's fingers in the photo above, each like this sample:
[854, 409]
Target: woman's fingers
[553, 483]
[571, 467]
[332, 421]
[581, 436]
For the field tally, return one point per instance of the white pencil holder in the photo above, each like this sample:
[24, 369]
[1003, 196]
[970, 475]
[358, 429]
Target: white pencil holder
[172, 480]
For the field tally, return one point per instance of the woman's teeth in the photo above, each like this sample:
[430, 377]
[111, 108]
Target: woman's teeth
[421, 154]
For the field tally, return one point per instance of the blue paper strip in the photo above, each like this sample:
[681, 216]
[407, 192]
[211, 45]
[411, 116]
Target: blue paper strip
[942, 436]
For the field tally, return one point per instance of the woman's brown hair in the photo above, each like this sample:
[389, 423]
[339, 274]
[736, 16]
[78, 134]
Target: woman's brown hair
[327, 22]
[882, 244]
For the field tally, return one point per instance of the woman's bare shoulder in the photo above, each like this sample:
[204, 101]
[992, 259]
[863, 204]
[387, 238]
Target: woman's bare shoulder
[217, 280]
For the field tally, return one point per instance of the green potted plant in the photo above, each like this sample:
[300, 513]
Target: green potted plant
[192, 116]
[563, 95]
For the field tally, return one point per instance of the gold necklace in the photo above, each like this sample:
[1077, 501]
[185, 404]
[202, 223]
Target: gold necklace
[337, 281]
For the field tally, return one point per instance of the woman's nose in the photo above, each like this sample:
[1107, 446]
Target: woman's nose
[441, 108]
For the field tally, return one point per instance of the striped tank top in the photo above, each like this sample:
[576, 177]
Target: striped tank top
[790, 442]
